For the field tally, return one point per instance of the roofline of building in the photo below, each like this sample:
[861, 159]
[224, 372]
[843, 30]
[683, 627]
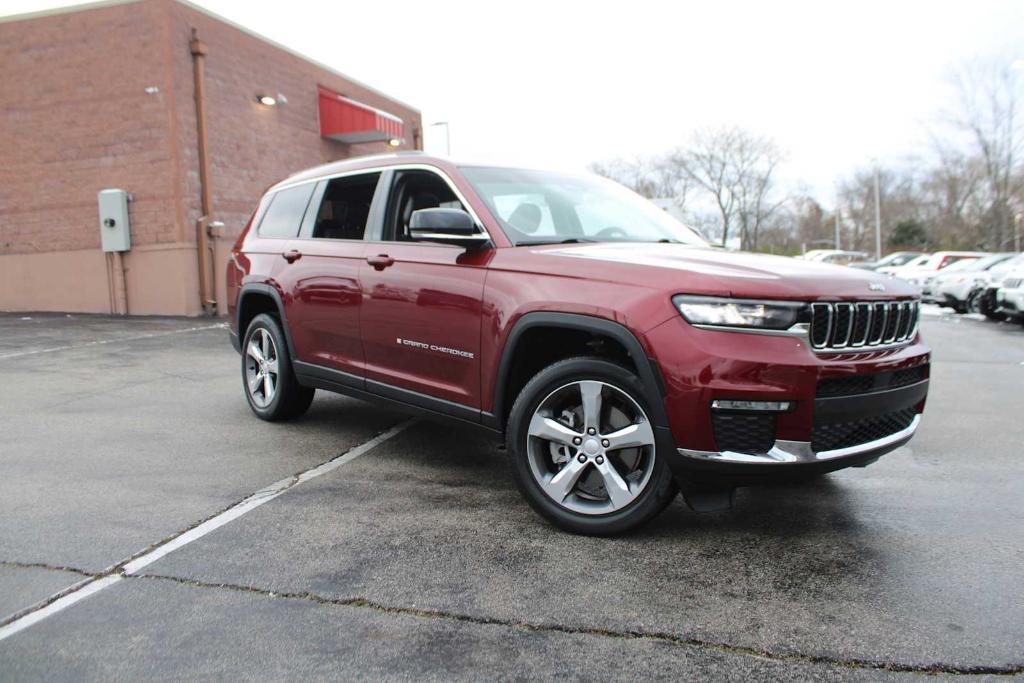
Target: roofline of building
[69, 9]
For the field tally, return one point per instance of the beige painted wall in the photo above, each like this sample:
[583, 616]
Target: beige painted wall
[161, 280]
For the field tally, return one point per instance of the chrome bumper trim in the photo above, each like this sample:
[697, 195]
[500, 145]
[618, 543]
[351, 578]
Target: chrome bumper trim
[796, 452]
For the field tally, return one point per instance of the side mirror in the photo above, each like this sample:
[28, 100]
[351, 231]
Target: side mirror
[446, 226]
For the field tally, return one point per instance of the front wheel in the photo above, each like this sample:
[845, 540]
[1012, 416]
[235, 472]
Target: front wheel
[583, 449]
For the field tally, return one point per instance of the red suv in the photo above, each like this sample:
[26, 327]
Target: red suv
[622, 357]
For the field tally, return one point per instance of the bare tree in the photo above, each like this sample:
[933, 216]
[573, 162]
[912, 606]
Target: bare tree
[651, 178]
[755, 163]
[735, 169]
[987, 114]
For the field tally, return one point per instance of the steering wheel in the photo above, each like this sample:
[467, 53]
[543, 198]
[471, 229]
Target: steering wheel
[612, 233]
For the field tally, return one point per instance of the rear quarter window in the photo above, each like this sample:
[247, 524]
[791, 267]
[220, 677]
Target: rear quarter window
[284, 215]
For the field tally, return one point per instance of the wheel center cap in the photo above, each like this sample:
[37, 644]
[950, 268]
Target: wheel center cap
[591, 447]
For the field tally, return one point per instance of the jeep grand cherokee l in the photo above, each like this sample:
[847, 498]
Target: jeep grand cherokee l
[621, 357]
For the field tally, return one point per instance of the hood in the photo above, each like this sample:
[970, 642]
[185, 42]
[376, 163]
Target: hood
[717, 272]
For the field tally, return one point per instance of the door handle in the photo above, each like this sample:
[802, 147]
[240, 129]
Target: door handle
[380, 261]
[292, 255]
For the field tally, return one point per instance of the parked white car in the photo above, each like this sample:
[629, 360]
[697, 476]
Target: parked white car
[893, 260]
[920, 269]
[929, 281]
[1010, 296]
[983, 299]
[952, 287]
[836, 256]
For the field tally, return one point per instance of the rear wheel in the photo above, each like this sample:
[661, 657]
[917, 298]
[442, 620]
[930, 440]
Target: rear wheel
[267, 376]
[583, 450]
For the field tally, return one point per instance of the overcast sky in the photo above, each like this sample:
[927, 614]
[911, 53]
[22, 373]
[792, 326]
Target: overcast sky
[564, 84]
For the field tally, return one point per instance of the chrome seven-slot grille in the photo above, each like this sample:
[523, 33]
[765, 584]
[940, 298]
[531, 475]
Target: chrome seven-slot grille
[1012, 283]
[849, 325]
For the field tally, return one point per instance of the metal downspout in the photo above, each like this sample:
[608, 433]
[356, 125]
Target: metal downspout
[209, 306]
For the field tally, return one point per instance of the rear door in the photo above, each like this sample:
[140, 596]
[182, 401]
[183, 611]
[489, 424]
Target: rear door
[421, 310]
[321, 279]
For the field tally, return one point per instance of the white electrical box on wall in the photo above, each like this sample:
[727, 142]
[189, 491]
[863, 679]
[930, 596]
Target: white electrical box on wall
[115, 232]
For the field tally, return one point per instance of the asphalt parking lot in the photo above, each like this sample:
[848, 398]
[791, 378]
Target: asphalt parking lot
[418, 559]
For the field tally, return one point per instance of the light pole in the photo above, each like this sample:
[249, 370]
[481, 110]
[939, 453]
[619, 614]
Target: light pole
[1016, 232]
[838, 247]
[447, 136]
[878, 220]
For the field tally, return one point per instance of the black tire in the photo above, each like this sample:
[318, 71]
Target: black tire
[973, 304]
[660, 487]
[987, 306]
[289, 399]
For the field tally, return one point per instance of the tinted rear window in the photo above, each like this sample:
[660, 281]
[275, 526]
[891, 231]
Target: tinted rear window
[284, 216]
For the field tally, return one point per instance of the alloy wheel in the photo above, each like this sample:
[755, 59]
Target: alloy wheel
[591, 447]
[261, 368]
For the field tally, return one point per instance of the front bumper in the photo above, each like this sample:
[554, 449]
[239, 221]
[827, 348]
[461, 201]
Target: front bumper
[1010, 302]
[835, 420]
[953, 294]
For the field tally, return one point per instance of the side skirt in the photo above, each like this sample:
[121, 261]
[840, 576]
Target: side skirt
[390, 396]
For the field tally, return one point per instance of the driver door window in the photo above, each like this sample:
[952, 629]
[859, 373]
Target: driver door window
[412, 191]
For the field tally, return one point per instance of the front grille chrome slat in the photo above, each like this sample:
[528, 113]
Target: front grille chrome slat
[843, 326]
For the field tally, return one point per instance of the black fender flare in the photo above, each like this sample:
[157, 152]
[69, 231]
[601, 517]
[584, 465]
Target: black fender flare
[263, 289]
[647, 368]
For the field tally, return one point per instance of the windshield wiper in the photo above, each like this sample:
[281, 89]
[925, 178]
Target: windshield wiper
[568, 240]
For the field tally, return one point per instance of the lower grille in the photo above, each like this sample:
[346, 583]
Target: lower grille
[833, 435]
[743, 433]
[864, 384]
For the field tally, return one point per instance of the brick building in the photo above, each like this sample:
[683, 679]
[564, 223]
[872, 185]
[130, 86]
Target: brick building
[105, 97]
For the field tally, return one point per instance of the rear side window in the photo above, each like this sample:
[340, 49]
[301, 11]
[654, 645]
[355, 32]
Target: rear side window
[284, 215]
[345, 208]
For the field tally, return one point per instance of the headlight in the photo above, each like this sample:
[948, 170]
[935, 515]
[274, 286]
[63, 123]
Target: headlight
[766, 315]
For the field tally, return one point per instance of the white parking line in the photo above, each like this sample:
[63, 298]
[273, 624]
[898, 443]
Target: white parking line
[64, 599]
[100, 342]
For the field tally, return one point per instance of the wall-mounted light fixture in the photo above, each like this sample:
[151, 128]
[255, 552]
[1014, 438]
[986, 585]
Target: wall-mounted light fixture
[394, 142]
[268, 100]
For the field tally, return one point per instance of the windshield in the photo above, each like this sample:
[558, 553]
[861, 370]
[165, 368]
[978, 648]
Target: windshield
[959, 265]
[536, 207]
[986, 262]
[1012, 263]
[898, 259]
[919, 261]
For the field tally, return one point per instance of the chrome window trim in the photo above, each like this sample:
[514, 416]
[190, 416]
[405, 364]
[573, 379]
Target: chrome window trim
[482, 229]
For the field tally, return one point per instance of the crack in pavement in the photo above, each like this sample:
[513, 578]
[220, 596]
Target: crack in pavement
[43, 565]
[659, 636]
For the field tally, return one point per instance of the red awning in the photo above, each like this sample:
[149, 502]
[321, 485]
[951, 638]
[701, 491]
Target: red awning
[346, 120]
